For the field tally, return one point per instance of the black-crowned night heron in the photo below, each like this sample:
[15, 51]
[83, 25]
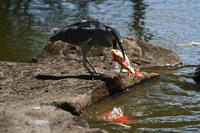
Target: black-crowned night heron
[87, 34]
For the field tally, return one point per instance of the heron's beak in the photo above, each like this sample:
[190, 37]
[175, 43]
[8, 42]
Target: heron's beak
[122, 49]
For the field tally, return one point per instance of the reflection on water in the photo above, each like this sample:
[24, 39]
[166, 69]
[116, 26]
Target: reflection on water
[170, 104]
[138, 24]
[26, 24]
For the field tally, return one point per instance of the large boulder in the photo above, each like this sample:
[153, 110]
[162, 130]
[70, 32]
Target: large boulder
[147, 55]
[57, 78]
[141, 54]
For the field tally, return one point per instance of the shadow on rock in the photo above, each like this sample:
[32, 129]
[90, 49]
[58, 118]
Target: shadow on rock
[112, 81]
[49, 77]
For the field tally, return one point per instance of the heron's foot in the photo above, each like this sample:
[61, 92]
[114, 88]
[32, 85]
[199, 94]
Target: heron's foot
[98, 72]
[94, 75]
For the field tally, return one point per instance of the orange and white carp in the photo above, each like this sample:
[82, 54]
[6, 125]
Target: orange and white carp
[116, 115]
[125, 63]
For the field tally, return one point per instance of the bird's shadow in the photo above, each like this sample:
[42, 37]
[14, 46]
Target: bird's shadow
[110, 83]
[86, 77]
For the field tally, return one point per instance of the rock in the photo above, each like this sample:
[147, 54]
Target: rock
[57, 79]
[189, 44]
[146, 55]
[140, 53]
[196, 75]
[43, 83]
[41, 119]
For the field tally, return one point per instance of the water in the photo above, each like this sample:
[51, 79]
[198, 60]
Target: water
[168, 104]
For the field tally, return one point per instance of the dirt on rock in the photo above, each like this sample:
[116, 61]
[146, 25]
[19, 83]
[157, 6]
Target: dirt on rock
[57, 82]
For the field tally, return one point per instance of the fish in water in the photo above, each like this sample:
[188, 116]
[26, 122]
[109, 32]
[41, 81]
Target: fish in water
[125, 64]
[115, 115]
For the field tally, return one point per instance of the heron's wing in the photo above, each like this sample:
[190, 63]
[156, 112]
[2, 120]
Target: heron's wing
[76, 33]
[116, 34]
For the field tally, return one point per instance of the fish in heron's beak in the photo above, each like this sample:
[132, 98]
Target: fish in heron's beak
[125, 64]
[118, 56]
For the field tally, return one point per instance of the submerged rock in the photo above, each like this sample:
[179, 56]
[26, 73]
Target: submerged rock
[57, 78]
[189, 44]
[196, 75]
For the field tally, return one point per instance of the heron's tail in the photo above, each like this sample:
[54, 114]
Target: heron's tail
[56, 35]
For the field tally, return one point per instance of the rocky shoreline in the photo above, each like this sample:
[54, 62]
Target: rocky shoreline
[48, 94]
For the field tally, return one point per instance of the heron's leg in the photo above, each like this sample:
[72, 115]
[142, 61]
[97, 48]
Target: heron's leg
[85, 50]
[95, 70]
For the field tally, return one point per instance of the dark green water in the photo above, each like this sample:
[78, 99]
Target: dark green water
[168, 104]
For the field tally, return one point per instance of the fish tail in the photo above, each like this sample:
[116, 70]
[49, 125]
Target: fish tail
[136, 73]
[122, 59]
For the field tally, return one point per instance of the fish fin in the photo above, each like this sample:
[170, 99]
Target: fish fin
[135, 72]
[121, 119]
[122, 59]
[139, 73]
[106, 117]
[114, 60]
